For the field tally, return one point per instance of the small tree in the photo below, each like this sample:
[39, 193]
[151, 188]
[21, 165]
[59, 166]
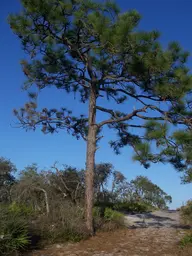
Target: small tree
[92, 49]
[7, 169]
[32, 187]
[68, 181]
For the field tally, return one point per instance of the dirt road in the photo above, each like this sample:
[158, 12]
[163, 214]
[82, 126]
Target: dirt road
[152, 234]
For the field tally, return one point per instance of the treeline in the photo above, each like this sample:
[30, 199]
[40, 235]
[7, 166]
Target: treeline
[49, 204]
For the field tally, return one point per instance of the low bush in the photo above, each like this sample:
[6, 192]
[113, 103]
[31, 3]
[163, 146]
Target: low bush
[107, 219]
[21, 229]
[186, 240]
[105, 204]
[186, 213]
[111, 215]
[14, 232]
[19, 225]
[133, 207]
[65, 224]
[21, 209]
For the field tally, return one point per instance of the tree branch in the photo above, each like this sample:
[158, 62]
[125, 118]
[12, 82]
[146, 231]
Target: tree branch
[137, 97]
[124, 118]
[110, 111]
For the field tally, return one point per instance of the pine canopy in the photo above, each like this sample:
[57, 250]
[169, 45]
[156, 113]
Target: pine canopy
[78, 44]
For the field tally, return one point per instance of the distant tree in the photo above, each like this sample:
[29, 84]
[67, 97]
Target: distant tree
[120, 187]
[102, 173]
[7, 179]
[144, 190]
[91, 49]
[141, 189]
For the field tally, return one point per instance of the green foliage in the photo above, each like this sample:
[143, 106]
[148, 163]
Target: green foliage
[184, 139]
[140, 192]
[133, 207]
[149, 193]
[65, 190]
[96, 211]
[156, 130]
[107, 219]
[7, 179]
[186, 213]
[186, 240]
[79, 45]
[111, 215]
[13, 231]
[20, 209]
[104, 204]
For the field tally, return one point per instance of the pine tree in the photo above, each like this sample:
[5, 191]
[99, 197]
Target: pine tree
[94, 50]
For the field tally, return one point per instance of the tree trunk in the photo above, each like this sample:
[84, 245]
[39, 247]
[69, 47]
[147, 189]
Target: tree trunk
[46, 200]
[90, 161]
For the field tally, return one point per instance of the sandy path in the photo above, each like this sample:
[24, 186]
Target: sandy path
[155, 219]
[154, 234]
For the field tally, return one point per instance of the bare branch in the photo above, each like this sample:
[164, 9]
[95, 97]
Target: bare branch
[60, 176]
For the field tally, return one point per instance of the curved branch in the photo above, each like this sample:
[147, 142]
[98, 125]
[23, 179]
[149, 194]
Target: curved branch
[46, 198]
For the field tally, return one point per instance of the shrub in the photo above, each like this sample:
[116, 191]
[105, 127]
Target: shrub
[107, 219]
[105, 204]
[112, 220]
[186, 213]
[186, 240]
[98, 219]
[133, 207]
[111, 215]
[64, 224]
[21, 209]
[13, 232]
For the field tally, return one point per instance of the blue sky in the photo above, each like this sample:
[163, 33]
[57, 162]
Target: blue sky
[171, 17]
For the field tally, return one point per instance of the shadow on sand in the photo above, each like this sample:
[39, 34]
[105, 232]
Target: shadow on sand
[152, 220]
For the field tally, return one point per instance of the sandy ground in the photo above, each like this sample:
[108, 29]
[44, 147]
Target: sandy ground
[156, 233]
[155, 219]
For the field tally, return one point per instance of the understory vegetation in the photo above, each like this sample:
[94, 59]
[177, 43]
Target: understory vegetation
[186, 240]
[47, 206]
[186, 213]
[186, 218]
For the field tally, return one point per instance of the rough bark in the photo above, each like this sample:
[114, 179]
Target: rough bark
[90, 161]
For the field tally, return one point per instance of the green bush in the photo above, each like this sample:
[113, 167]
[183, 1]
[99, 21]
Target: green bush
[186, 213]
[107, 219]
[186, 240]
[129, 206]
[13, 232]
[133, 207]
[60, 233]
[111, 215]
[105, 204]
[112, 220]
[21, 209]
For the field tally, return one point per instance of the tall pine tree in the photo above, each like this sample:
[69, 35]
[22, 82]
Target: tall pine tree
[93, 50]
